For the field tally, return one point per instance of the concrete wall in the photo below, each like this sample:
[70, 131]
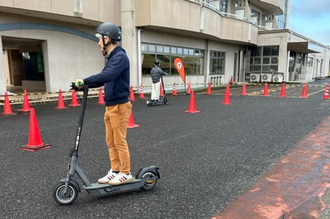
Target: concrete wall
[230, 54]
[86, 9]
[195, 18]
[66, 56]
[277, 39]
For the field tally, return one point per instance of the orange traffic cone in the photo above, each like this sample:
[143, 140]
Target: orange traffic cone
[161, 92]
[265, 90]
[283, 91]
[26, 103]
[141, 92]
[304, 92]
[231, 80]
[60, 104]
[226, 100]
[174, 93]
[7, 111]
[131, 94]
[189, 89]
[74, 101]
[131, 123]
[192, 104]
[101, 98]
[35, 141]
[209, 89]
[244, 90]
[326, 93]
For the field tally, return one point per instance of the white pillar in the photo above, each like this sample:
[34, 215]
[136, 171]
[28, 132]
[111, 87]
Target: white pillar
[287, 75]
[3, 87]
[139, 63]
[129, 37]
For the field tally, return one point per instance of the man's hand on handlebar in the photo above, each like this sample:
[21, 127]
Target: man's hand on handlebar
[79, 83]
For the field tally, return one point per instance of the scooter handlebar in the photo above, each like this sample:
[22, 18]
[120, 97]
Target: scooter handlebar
[74, 87]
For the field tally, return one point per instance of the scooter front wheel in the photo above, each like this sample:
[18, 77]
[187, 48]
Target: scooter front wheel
[151, 180]
[65, 198]
[165, 100]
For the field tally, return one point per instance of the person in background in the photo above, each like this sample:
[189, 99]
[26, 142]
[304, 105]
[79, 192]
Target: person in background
[156, 73]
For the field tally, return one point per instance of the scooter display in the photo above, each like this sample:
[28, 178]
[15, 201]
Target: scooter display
[67, 190]
[162, 100]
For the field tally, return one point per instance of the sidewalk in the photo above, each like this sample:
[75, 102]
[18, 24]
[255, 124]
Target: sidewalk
[43, 97]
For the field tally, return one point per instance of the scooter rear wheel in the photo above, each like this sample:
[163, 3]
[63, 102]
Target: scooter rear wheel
[62, 198]
[151, 181]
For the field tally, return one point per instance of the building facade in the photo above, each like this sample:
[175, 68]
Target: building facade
[48, 44]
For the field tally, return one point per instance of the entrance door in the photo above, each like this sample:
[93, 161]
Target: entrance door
[24, 64]
[235, 68]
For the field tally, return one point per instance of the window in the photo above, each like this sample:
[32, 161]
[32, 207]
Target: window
[220, 5]
[255, 16]
[159, 49]
[217, 62]
[239, 3]
[270, 51]
[264, 59]
[310, 61]
[193, 58]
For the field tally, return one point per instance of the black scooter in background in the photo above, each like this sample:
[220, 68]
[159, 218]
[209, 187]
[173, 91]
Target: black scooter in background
[162, 100]
[66, 191]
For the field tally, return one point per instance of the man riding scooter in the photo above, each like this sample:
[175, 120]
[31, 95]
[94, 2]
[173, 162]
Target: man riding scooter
[156, 73]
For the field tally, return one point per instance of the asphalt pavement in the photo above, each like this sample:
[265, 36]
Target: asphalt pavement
[206, 159]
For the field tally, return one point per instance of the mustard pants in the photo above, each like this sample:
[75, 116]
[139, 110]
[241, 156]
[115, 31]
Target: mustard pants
[116, 118]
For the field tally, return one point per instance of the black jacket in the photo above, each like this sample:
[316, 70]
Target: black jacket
[155, 72]
[115, 77]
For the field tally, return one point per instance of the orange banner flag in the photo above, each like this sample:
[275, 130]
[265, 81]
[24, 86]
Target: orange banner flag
[180, 67]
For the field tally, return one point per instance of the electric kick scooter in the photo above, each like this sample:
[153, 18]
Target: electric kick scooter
[161, 101]
[66, 191]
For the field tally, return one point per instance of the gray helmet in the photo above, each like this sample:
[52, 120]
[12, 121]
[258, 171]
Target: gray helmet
[157, 62]
[110, 30]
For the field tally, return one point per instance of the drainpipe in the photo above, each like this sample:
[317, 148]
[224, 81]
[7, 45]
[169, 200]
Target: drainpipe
[287, 14]
[139, 57]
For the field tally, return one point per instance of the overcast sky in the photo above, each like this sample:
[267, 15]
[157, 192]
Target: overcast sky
[311, 18]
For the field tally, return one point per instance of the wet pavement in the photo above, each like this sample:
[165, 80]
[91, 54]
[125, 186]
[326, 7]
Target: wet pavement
[268, 154]
[294, 186]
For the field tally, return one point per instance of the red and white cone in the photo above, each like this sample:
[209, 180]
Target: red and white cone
[266, 90]
[226, 100]
[161, 91]
[131, 94]
[60, 103]
[189, 89]
[326, 93]
[304, 93]
[35, 141]
[141, 92]
[131, 123]
[74, 101]
[7, 111]
[101, 97]
[209, 89]
[174, 93]
[26, 103]
[192, 104]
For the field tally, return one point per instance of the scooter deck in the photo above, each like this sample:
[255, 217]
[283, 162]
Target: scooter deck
[106, 185]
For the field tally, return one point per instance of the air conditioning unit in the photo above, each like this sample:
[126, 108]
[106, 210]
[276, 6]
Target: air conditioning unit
[278, 77]
[266, 77]
[254, 77]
